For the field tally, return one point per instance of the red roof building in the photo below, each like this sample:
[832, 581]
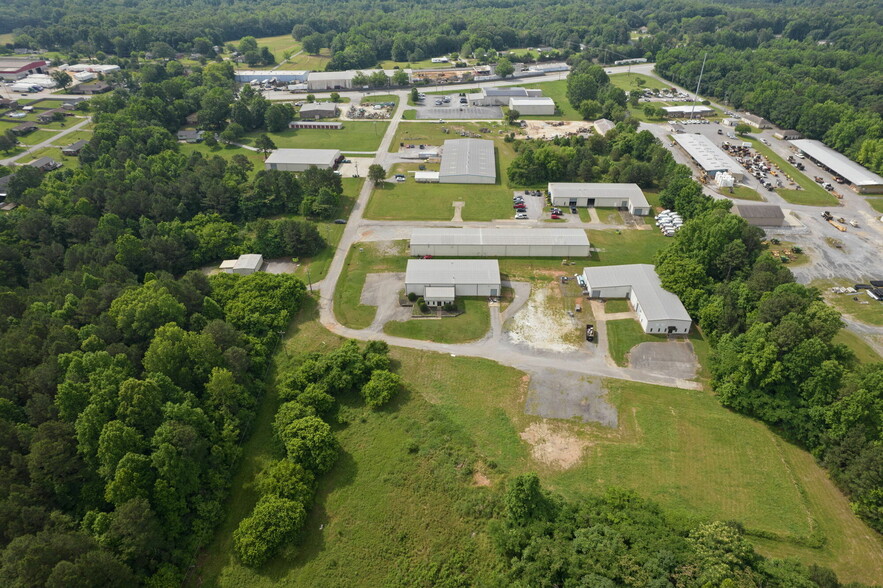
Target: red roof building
[16, 68]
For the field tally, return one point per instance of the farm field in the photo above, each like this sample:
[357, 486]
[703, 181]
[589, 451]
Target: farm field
[473, 324]
[354, 136]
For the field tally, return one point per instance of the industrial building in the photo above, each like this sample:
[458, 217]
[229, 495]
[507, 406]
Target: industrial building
[340, 80]
[687, 110]
[246, 264]
[298, 160]
[314, 110]
[658, 310]
[16, 68]
[761, 215]
[500, 96]
[468, 161]
[600, 195]
[521, 242]
[532, 106]
[459, 277]
[709, 157]
[756, 121]
[860, 178]
[246, 76]
[788, 135]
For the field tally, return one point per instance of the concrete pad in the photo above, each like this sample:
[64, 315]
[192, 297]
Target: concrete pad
[358, 167]
[280, 266]
[670, 358]
[559, 394]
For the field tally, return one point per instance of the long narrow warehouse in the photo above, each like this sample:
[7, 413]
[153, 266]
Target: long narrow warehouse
[452, 242]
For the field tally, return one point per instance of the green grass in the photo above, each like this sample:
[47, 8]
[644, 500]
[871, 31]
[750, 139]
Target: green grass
[36, 137]
[362, 259]
[473, 324]
[609, 216]
[623, 335]
[616, 305]
[424, 64]
[743, 193]
[432, 133]
[71, 138]
[374, 99]
[812, 193]
[870, 313]
[863, 351]
[277, 46]
[557, 91]
[227, 152]
[354, 136]
[54, 153]
[626, 81]
[876, 204]
[628, 246]
[309, 62]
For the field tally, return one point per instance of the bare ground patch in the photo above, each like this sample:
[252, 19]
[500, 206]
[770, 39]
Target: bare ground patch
[479, 479]
[553, 445]
[543, 323]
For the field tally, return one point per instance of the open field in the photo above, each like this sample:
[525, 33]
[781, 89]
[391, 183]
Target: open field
[623, 335]
[626, 81]
[354, 136]
[36, 137]
[743, 193]
[363, 258]
[557, 91]
[277, 46]
[432, 133]
[865, 309]
[626, 246]
[863, 352]
[308, 62]
[473, 324]
[411, 200]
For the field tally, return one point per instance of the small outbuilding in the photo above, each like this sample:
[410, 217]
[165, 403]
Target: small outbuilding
[467, 277]
[658, 310]
[532, 106]
[298, 160]
[190, 136]
[245, 265]
[314, 110]
[600, 195]
[603, 126]
[761, 215]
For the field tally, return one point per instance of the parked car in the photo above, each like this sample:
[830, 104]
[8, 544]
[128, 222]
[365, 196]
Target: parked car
[340, 221]
[521, 216]
[556, 216]
[573, 210]
[520, 206]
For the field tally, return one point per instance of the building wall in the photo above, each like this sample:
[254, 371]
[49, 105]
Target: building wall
[459, 289]
[466, 179]
[612, 292]
[443, 250]
[292, 167]
[661, 327]
[337, 84]
[537, 110]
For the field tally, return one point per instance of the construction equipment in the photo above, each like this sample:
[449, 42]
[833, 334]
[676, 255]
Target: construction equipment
[827, 215]
[837, 226]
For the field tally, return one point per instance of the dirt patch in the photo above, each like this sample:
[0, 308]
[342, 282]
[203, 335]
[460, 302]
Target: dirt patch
[538, 129]
[480, 479]
[387, 248]
[543, 323]
[552, 445]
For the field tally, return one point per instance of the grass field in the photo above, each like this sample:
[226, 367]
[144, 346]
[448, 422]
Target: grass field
[627, 246]
[616, 305]
[277, 46]
[432, 133]
[627, 81]
[557, 91]
[871, 313]
[473, 324]
[375, 98]
[54, 153]
[811, 194]
[623, 335]
[363, 258]
[354, 136]
[308, 62]
[71, 138]
[36, 137]
[743, 193]
[863, 351]
[876, 204]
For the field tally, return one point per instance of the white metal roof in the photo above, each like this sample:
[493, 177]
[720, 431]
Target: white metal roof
[631, 192]
[252, 261]
[505, 236]
[709, 156]
[603, 125]
[318, 106]
[317, 157]
[426, 175]
[687, 109]
[451, 272]
[540, 101]
[324, 76]
[437, 292]
[471, 157]
[852, 171]
[656, 302]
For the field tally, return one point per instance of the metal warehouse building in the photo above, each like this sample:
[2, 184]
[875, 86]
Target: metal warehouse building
[658, 310]
[245, 76]
[532, 106]
[451, 242]
[860, 178]
[600, 195]
[298, 160]
[464, 277]
[500, 96]
[709, 157]
[468, 161]
[761, 215]
[687, 110]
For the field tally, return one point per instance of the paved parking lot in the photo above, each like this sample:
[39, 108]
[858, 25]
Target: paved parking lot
[454, 110]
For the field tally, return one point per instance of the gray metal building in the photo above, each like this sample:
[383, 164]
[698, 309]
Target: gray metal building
[709, 157]
[245, 265]
[761, 215]
[520, 242]
[468, 161]
[861, 178]
[658, 310]
[600, 195]
[500, 96]
[468, 277]
[314, 110]
[298, 160]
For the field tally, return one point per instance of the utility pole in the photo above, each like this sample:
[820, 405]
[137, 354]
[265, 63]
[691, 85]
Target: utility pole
[696, 97]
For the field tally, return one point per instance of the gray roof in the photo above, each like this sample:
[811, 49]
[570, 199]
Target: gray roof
[505, 91]
[531, 101]
[603, 125]
[317, 157]
[474, 157]
[250, 261]
[631, 192]
[656, 302]
[520, 236]
[43, 161]
[324, 76]
[450, 272]
[709, 156]
[759, 211]
[318, 107]
[855, 173]
[77, 146]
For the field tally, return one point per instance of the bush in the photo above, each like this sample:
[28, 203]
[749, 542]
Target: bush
[450, 306]
[271, 524]
[382, 386]
[412, 296]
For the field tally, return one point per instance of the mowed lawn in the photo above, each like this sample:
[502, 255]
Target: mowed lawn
[354, 136]
[627, 82]
[744, 193]
[557, 91]
[473, 324]
[623, 335]
[277, 46]
[865, 309]
[617, 247]
[308, 62]
[54, 153]
[362, 259]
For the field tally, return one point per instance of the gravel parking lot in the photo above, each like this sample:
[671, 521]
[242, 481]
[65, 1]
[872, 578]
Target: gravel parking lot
[455, 110]
[557, 394]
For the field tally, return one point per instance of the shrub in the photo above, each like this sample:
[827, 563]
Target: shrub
[412, 296]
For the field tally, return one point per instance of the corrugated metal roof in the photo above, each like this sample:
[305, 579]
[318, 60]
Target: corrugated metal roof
[631, 192]
[518, 101]
[470, 157]
[759, 211]
[656, 302]
[505, 91]
[452, 271]
[318, 107]
[852, 171]
[525, 236]
[317, 157]
[709, 156]
[250, 261]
